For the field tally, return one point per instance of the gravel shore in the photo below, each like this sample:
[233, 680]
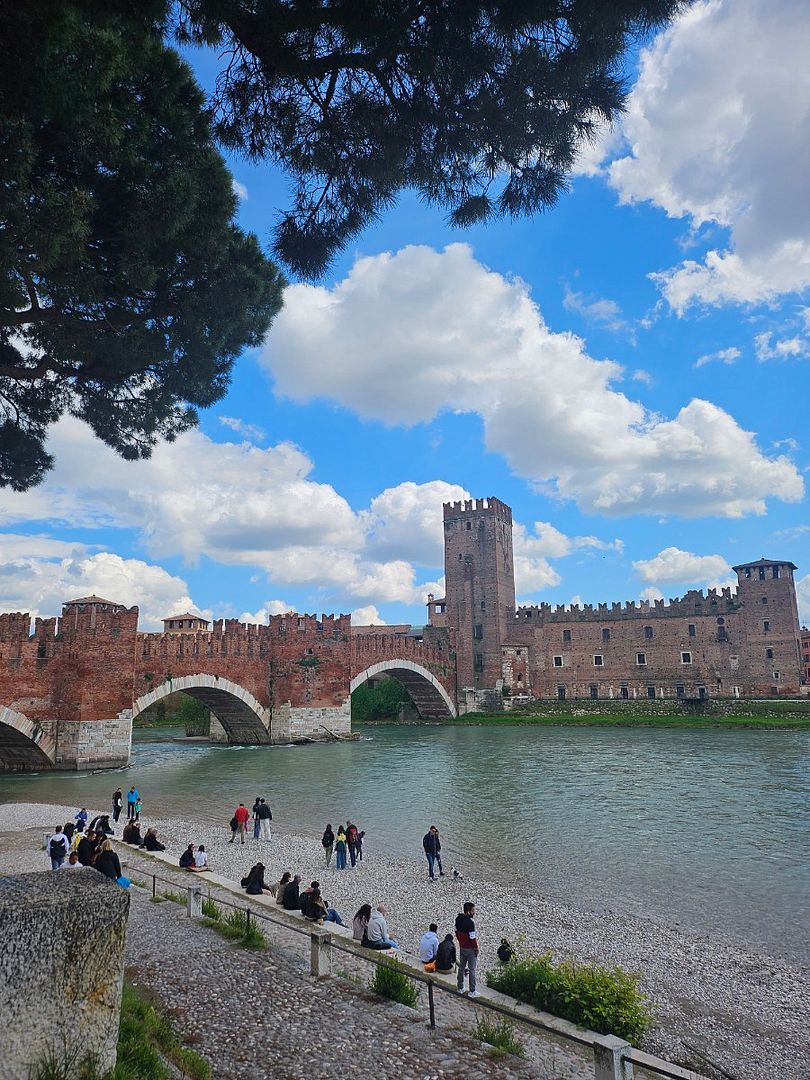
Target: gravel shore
[714, 1001]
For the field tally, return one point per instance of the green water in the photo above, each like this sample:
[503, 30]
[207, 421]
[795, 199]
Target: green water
[709, 829]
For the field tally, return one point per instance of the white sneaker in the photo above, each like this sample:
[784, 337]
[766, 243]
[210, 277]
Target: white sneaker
[473, 994]
[461, 990]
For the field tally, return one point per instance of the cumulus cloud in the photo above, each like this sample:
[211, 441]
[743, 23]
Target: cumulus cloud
[268, 608]
[533, 550]
[367, 616]
[717, 125]
[406, 521]
[41, 581]
[406, 336]
[722, 356]
[595, 309]
[803, 599]
[674, 565]
[651, 594]
[766, 349]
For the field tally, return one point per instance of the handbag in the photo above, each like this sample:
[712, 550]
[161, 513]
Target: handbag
[124, 882]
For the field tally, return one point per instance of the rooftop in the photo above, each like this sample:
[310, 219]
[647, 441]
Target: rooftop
[91, 600]
[764, 562]
[187, 615]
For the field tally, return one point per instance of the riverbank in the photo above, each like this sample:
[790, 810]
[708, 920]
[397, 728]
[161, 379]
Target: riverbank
[744, 1009]
[506, 719]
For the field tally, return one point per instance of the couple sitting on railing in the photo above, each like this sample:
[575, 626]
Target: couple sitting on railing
[196, 862]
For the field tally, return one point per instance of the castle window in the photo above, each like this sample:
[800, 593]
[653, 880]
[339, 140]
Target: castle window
[679, 691]
[748, 572]
[598, 661]
[764, 599]
[594, 691]
[558, 661]
[561, 693]
[721, 621]
[722, 634]
[702, 692]
[566, 636]
[641, 659]
[769, 654]
[469, 526]
[483, 605]
[776, 572]
[479, 631]
[606, 635]
[519, 679]
[650, 691]
[686, 658]
[766, 627]
[624, 691]
[518, 652]
[762, 573]
[648, 633]
[479, 661]
[692, 630]
[776, 674]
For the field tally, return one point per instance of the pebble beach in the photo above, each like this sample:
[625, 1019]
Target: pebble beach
[715, 1002]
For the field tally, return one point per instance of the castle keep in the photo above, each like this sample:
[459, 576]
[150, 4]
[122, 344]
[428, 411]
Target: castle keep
[727, 643]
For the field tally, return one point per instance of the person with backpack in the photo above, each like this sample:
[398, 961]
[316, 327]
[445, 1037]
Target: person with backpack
[351, 841]
[328, 844]
[57, 847]
[239, 822]
[265, 817]
[340, 849]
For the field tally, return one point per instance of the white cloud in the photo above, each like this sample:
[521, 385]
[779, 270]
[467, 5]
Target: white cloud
[803, 599]
[532, 552]
[41, 584]
[251, 432]
[674, 565]
[642, 376]
[595, 309]
[651, 594]
[239, 190]
[405, 521]
[718, 131]
[404, 337]
[779, 350]
[367, 616]
[722, 356]
[268, 608]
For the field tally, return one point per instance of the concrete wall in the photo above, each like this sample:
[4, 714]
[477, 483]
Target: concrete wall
[61, 968]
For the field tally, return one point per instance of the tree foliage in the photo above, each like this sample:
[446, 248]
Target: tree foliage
[479, 105]
[126, 289]
[381, 703]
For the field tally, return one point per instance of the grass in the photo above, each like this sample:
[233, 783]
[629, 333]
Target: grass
[211, 910]
[501, 1035]
[146, 1041]
[236, 927]
[175, 897]
[795, 721]
[390, 981]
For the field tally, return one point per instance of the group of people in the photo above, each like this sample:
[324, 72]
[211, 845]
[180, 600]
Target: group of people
[262, 816]
[72, 845]
[288, 893]
[348, 841]
[195, 859]
[134, 804]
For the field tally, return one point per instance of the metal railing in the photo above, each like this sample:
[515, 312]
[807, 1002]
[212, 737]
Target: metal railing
[613, 1058]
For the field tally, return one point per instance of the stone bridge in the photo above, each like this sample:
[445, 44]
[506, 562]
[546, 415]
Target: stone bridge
[70, 690]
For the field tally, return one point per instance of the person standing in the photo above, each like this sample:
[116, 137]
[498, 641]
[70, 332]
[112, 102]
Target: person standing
[57, 847]
[432, 846]
[132, 798]
[328, 843]
[351, 841]
[117, 804]
[239, 822]
[138, 808]
[340, 849]
[467, 938]
[257, 823]
[265, 817]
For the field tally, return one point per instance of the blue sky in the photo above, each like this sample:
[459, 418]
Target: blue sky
[627, 371]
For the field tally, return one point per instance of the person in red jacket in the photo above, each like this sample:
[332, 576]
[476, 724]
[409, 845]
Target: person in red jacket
[239, 821]
[467, 948]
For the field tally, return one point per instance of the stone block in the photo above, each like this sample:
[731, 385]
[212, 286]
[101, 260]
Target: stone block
[61, 967]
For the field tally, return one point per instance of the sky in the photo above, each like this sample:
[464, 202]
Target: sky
[627, 371]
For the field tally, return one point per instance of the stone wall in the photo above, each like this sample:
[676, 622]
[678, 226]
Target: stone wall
[61, 968]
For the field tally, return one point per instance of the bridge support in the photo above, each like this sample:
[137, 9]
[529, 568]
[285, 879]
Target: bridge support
[93, 744]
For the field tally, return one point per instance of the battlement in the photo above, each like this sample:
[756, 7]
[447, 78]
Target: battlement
[15, 626]
[489, 507]
[227, 631]
[692, 603]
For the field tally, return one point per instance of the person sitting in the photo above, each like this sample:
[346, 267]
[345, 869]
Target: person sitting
[254, 884]
[85, 849]
[81, 817]
[200, 860]
[68, 829]
[187, 858]
[429, 946]
[73, 860]
[107, 862]
[360, 923]
[77, 838]
[101, 824]
[291, 898]
[446, 955]
[132, 833]
[286, 877]
[316, 908]
[150, 842]
[505, 951]
[377, 935]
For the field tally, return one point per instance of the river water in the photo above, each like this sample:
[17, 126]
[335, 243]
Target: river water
[703, 828]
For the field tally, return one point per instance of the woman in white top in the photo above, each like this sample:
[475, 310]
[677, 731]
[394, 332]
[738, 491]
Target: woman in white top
[201, 858]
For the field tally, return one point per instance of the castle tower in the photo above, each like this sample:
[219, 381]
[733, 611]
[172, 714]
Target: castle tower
[480, 587]
[767, 593]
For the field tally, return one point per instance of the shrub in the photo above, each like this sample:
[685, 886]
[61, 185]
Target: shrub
[211, 910]
[606, 1000]
[236, 928]
[389, 980]
[501, 1035]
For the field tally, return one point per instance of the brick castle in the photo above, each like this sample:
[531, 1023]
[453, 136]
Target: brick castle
[70, 689]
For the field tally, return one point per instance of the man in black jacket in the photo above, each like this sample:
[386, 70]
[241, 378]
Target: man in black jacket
[433, 846]
[265, 816]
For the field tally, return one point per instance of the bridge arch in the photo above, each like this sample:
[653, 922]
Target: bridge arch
[428, 695]
[244, 719]
[24, 746]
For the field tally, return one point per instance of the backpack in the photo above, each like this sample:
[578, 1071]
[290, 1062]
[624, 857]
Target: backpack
[234, 824]
[58, 849]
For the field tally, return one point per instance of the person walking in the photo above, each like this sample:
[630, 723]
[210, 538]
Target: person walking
[257, 824]
[57, 847]
[352, 835]
[432, 846]
[265, 817]
[328, 844]
[467, 938]
[239, 821]
[340, 849]
[117, 804]
[132, 798]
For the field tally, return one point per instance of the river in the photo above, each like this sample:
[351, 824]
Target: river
[703, 828]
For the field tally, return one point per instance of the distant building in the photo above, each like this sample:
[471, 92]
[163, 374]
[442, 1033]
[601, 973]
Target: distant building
[804, 640]
[741, 642]
[188, 623]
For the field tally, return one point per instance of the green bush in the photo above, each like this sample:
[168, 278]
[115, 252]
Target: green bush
[236, 928]
[211, 910]
[389, 980]
[606, 1000]
[501, 1035]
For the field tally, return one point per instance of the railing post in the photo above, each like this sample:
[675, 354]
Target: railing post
[608, 1059]
[194, 908]
[431, 1005]
[320, 956]
[154, 886]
